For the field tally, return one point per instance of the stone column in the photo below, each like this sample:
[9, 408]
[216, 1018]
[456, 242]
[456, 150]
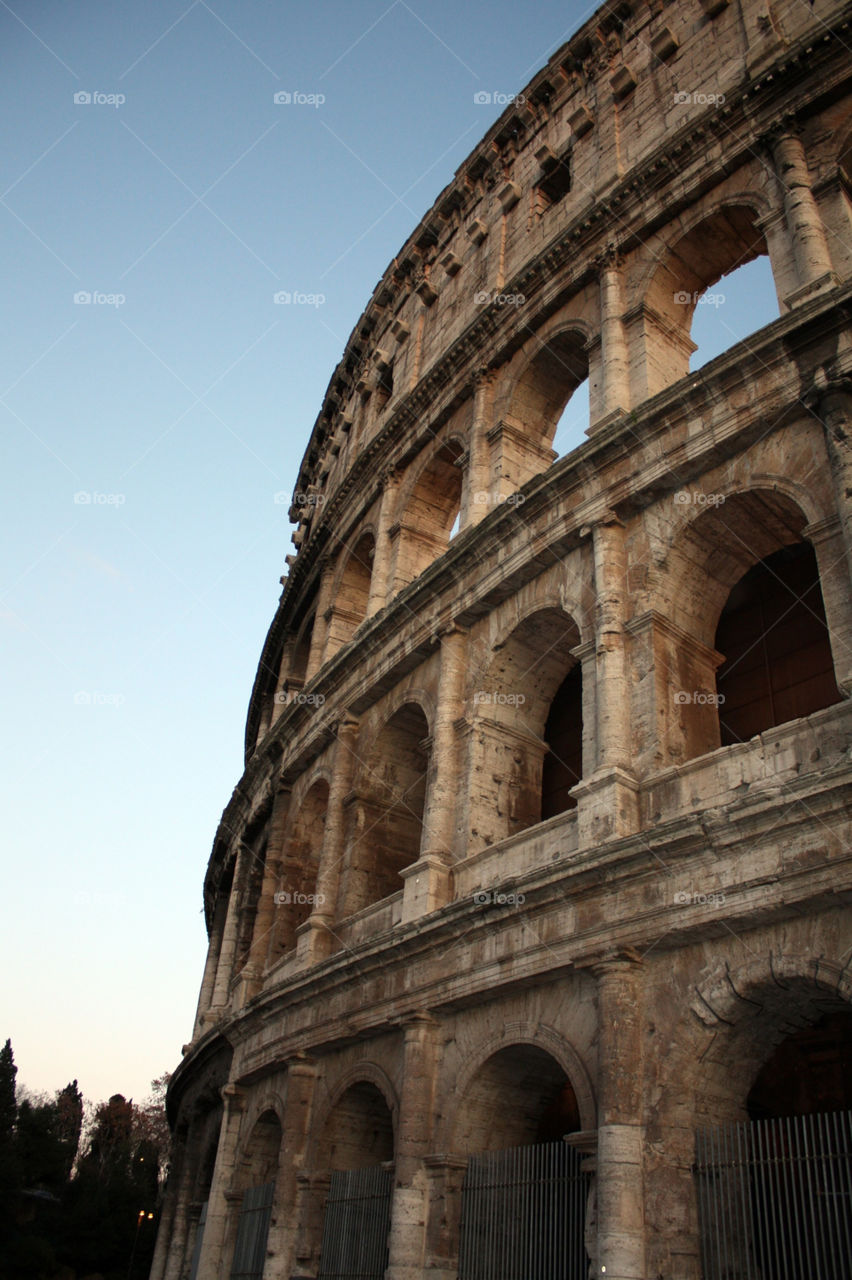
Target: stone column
[477, 501]
[615, 361]
[211, 1263]
[298, 1109]
[804, 223]
[318, 940]
[380, 578]
[427, 882]
[833, 407]
[620, 1201]
[214, 948]
[230, 933]
[608, 797]
[409, 1211]
[171, 1236]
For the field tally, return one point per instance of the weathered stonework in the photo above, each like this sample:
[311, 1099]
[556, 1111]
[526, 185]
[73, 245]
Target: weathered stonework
[496, 841]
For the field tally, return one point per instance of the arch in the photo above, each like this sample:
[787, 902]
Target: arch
[529, 711]
[295, 896]
[357, 1130]
[426, 511]
[352, 591]
[386, 816]
[710, 246]
[519, 1095]
[539, 1036]
[537, 400]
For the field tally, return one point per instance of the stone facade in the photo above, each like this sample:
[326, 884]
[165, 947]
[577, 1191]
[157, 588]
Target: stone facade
[540, 833]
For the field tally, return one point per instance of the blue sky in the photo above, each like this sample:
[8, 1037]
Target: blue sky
[147, 431]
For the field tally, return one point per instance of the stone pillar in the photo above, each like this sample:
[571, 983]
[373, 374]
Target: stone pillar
[615, 361]
[316, 657]
[446, 1177]
[427, 882]
[477, 502]
[620, 1200]
[214, 948]
[608, 796]
[409, 1211]
[308, 1213]
[298, 1109]
[380, 578]
[317, 941]
[230, 934]
[834, 409]
[171, 1235]
[804, 223]
[264, 920]
[211, 1263]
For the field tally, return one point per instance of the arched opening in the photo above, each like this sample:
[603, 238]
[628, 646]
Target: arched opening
[357, 1150]
[530, 724]
[549, 410]
[775, 1191]
[524, 1194]
[386, 815]
[349, 608]
[740, 303]
[428, 517]
[721, 244]
[295, 897]
[254, 1183]
[773, 634]
[563, 733]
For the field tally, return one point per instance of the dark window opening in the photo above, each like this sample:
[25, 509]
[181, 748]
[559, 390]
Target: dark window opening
[563, 732]
[556, 181]
[773, 633]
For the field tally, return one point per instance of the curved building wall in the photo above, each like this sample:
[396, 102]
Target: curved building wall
[500, 860]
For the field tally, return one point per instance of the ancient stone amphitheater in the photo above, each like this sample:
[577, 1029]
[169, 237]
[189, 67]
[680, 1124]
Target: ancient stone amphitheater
[530, 946]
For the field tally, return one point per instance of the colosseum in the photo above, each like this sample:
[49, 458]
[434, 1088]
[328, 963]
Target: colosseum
[530, 948]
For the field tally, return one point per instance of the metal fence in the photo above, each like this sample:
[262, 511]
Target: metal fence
[252, 1231]
[523, 1215]
[357, 1222]
[775, 1199]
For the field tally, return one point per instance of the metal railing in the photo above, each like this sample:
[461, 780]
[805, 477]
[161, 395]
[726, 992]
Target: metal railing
[252, 1232]
[523, 1215]
[775, 1198]
[356, 1226]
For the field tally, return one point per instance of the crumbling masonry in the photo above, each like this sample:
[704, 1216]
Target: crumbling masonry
[540, 847]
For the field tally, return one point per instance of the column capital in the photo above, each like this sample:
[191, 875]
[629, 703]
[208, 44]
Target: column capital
[609, 964]
[609, 258]
[483, 376]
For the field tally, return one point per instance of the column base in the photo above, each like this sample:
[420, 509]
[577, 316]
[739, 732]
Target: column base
[427, 885]
[314, 941]
[607, 806]
[822, 285]
[610, 419]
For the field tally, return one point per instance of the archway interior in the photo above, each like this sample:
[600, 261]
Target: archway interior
[772, 631]
[359, 1132]
[809, 1072]
[354, 588]
[434, 506]
[520, 1096]
[299, 870]
[547, 402]
[563, 732]
[259, 1164]
[389, 813]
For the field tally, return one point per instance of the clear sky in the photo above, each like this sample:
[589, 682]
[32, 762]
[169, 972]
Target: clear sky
[147, 431]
